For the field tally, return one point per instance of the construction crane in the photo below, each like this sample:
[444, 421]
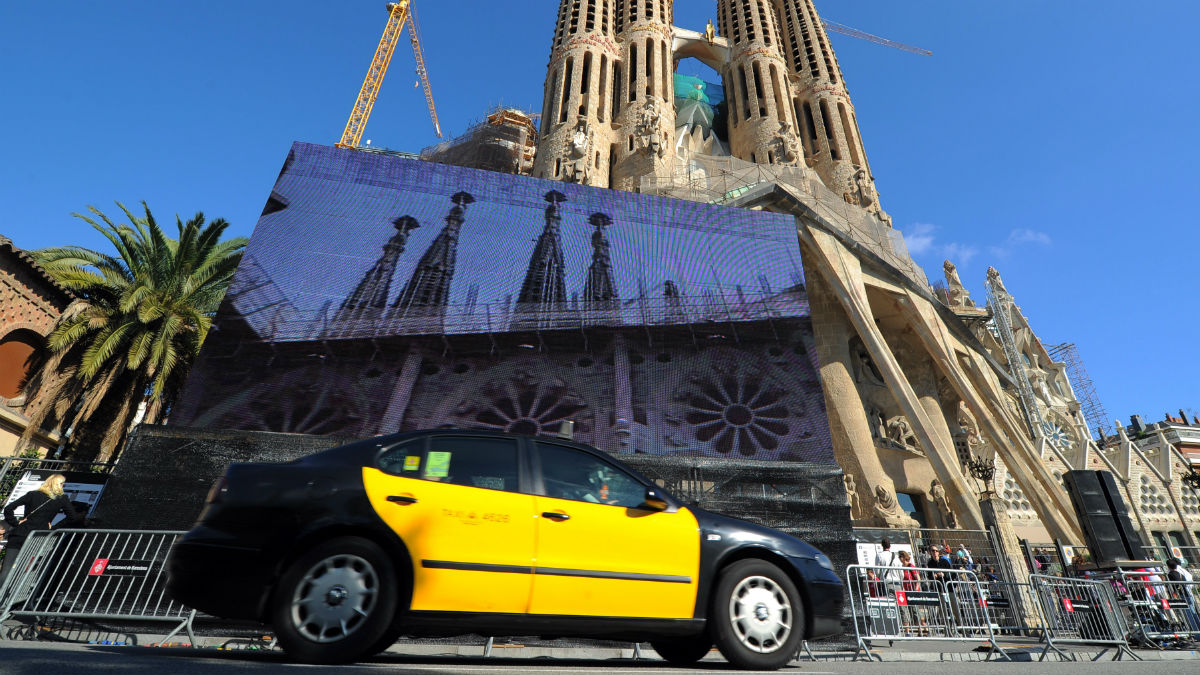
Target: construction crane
[399, 14]
[861, 35]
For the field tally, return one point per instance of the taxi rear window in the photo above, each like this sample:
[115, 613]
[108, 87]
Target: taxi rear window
[489, 463]
[404, 459]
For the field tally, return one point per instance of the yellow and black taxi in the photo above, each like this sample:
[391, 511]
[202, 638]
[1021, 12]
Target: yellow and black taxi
[448, 532]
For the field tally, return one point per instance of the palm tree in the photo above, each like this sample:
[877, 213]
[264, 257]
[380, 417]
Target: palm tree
[135, 328]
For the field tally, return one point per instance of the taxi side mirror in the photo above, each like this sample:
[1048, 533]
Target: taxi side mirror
[655, 501]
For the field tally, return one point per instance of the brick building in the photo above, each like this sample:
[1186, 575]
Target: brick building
[30, 303]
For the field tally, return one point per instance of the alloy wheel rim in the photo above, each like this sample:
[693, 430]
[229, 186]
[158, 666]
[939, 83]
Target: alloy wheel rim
[334, 598]
[760, 614]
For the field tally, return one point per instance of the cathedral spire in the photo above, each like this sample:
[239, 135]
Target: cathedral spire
[370, 296]
[429, 285]
[600, 287]
[544, 284]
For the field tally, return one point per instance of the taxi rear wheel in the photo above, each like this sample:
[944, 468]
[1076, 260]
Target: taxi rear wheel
[683, 651]
[335, 603]
[757, 618]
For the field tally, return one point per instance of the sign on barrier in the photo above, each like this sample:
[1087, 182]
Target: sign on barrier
[939, 604]
[1080, 612]
[95, 574]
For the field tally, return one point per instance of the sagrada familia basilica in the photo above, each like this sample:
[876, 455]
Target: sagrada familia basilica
[917, 382]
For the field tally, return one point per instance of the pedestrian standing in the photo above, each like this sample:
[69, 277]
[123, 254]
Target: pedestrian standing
[41, 506]
[887, 558]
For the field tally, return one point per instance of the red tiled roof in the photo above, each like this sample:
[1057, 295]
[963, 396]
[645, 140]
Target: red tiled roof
[25, 257]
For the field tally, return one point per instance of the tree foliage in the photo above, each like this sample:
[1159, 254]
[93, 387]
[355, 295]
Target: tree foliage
[136, 326]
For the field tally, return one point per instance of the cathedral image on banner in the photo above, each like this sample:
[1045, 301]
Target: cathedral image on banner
[381, 294]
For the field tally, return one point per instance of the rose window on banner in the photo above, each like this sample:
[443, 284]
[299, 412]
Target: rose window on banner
[739, 414]
[309, 400]
[525, 405]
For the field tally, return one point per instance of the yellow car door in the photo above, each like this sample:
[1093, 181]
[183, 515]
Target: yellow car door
[456, 506]
[598, 554]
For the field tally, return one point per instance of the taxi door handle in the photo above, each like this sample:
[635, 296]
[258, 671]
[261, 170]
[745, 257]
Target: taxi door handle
[402, 499]
[555, 515]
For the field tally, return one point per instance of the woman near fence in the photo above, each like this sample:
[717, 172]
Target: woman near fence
[41, 506]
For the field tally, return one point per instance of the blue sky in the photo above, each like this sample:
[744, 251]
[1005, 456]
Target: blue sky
[1053, 140]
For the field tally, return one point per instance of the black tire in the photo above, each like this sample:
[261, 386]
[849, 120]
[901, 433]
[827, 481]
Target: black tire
[388, 639]
[683, 651]
[335, 603]
[756, 618]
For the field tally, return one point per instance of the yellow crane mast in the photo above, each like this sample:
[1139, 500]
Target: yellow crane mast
[399, 14]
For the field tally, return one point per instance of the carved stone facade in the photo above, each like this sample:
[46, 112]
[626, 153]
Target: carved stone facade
[609, 117]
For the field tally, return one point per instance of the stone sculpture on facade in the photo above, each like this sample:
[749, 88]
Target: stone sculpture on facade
[649, 130]
[956, 293]
[887, 509]
[578, 146]
[851, 494]
[787, 144]
[860, 192]
[969, 427]
[900, 434]
[938, 494]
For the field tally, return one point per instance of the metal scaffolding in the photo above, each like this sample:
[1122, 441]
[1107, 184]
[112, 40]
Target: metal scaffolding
[1085, 390]
[1001, 304]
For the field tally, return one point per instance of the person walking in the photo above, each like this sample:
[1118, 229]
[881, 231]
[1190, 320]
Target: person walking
[41, 506]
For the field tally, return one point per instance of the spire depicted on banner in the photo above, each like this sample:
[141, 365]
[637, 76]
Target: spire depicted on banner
[600, 287]
[544, 282]
[429, 285]
[674, 312]
[370, 296]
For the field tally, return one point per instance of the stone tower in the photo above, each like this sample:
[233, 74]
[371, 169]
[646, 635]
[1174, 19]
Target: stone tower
[758, 90]
[608, 110]
[821, 105]
[576, 132]
[608, 115]
[644, 111]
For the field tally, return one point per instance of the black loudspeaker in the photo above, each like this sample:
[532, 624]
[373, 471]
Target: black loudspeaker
[1100, 530]
[1129, 534]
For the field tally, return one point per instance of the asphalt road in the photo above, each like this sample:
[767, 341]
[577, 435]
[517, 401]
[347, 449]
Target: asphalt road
[24, 658]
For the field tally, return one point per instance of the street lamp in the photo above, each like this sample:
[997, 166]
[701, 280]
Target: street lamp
[982, 470]
[1192, 479]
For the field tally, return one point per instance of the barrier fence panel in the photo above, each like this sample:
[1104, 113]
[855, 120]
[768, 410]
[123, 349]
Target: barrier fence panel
[1012, 607]
[1080, 612]
[95, 574]
[941, 604]
[1161, 612]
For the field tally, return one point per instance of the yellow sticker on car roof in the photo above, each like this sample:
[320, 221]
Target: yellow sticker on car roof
[437, 464]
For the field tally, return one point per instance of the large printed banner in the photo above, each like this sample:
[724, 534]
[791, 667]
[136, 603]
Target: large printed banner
[381, 294]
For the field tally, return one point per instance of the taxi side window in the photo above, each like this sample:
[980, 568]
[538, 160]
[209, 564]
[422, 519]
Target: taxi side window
[472, 461]
[568, 473]
[403, 459]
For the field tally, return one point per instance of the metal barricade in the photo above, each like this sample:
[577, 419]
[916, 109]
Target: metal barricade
[944, 605]
[1080, 612]
[1161, 612]
[1012, 607]
[95, 574]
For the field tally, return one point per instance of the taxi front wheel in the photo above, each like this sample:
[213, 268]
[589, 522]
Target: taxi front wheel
[757, 619]
[335, 602]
